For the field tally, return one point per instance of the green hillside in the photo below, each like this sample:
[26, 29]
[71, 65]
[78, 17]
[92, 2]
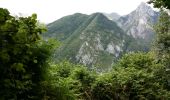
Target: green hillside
[64, 27]
[95, 42]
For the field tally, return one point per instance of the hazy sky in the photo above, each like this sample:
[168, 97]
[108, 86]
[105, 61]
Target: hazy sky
[50, 10]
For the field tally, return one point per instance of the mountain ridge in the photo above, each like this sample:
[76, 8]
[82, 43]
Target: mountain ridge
[138, 21]
[98, 42]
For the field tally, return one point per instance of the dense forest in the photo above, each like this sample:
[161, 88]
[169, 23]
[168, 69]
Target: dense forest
[28, 71]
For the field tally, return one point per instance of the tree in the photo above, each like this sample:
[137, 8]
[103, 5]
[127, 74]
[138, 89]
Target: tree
[136, 76]
[59, 85]
[162, 42]
[160, 3]
[70, 81]
[23, 56]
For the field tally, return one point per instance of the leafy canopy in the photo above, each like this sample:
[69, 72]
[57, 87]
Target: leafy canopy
[160, 3]
[23, 56]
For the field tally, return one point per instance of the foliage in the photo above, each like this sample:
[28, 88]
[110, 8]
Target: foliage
[160, 3]
[64, 27]
[102, 89]
[138, 60]
[162, 42]
[23, 56]
[29, 73]
[85, 78]
[69, 81]
[136, 76]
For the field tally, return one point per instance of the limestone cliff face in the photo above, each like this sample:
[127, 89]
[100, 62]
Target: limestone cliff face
[139, 23]
[101, 41]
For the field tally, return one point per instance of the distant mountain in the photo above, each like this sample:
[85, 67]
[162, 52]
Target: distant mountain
[61, 29]
[139, 23]
[98, 41]
[112, 16]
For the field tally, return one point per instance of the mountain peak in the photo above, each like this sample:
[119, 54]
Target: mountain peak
[137, 23]
[98, 17]
[143, 4]
[112, 16]
[143, 7]
[144, 10]
[100, 21]
[97, 14]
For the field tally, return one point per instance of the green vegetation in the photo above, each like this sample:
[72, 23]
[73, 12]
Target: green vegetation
[64, 27]
[160, 3]
[23, 57]
[135, 76]
[93, 35]
[29, 73]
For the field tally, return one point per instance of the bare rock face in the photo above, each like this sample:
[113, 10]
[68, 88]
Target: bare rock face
[139, 23]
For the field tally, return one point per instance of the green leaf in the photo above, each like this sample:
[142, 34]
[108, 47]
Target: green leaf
[18, 67]
[35, 61]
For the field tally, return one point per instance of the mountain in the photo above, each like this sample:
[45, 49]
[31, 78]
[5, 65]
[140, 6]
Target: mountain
[112, 16]
[97, 41]
[61, 29]
[139, 23]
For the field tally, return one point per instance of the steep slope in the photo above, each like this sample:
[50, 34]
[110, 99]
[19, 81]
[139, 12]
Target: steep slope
[64, 27]
[97, 42]
[112, 16]
[139, 23]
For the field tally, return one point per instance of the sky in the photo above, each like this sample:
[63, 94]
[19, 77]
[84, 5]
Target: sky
[51, 10]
